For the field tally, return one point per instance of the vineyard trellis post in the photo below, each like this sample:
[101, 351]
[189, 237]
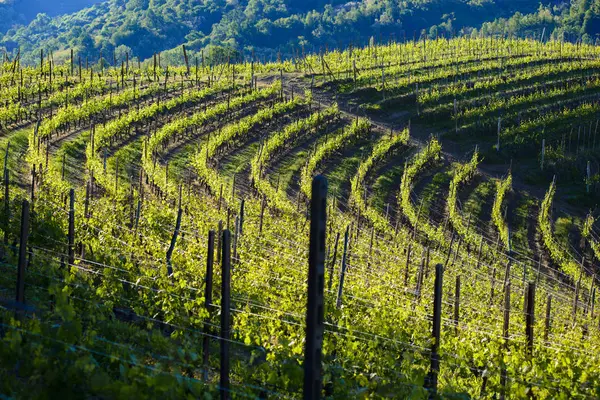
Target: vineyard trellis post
[173, 242]
[236, 235]
[505, 328]
[406, 270]
[6, 204]
[543, 153]
[548, 316]
[219, 238]
[529, 316]
[262, 214]
[432, 378]
[32, 187]
[479, 252]
[20, 297]
[456, 304]
[316, 280]
[225, 314]
[71, 234]
[499, 129]
[420, 276]
[208, 290]
[343, 269]
[87, 200]
[242, 204]
[333, 260]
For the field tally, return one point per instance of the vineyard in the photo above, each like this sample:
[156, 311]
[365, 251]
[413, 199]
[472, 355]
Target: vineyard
[407, 220]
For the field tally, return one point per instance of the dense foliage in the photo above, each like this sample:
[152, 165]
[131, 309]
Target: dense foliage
[223, 29]
[118, 301]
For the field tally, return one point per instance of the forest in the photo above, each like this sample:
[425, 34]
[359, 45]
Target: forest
[270, 27]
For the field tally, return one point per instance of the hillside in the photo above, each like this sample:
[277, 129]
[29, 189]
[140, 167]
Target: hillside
[22, 12]
[408, 220]
[143, 27]
[273, 27]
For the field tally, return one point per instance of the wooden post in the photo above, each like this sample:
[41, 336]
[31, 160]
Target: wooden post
[592, 302]
[529, 316]
[499, 128]
[233, 190]
[6, 204]
[220, 197]
[543, 153]
[219, 237]
[589, 178]
[408, 251]
[208, 290]
[20, 298]
[71, 251]
[316, 279]
[236, 235]
[263, 204]
[449, 250]
[32, 187]
[187, 63]
[332, 263]
[505, 327]
[479, 252]
[575, 303]
[420, 275]
[343, 269]
[173, 242]
[241, 227]
[493, 285]
[431, 379]
[456, 304]
[225, 314]
[548, 316]
[138, 214]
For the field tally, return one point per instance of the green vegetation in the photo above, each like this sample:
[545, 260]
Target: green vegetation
[118, 301]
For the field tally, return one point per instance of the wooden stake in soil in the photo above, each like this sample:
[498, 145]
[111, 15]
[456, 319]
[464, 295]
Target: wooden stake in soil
[548, 316]
[20, 297]
[225, 315]
[332, 263]
[456, 304]
[208, 291]
[219, 237]
[71, 235]
[173, 242]
[6, 204]
[432, 377]
[343, 270]
[505, 327]
[315, 303]
[529, 316]
[408, 251]
[263, 204]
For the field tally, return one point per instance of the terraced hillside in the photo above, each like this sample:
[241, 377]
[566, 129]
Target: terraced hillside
[155, 225]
